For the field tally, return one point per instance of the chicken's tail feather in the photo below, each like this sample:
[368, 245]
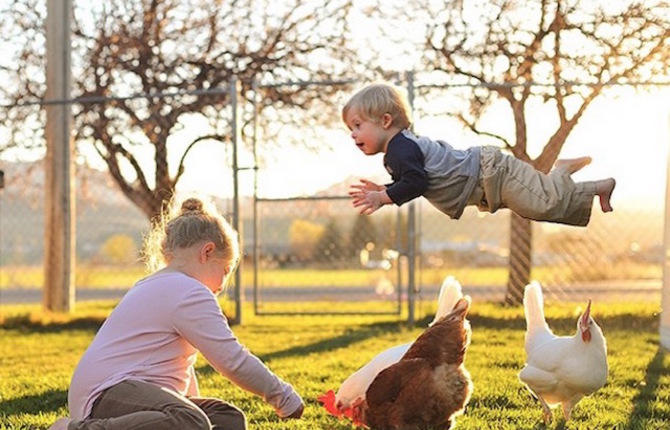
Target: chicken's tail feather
[534, 305]
[450, 293]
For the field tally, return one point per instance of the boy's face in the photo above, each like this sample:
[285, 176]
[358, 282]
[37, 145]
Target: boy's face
[370, 137]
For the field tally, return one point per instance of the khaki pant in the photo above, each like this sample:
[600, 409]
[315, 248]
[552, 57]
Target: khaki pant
[136, 405]
[507, 182]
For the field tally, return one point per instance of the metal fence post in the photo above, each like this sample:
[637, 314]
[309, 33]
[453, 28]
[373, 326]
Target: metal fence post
[256, 220]
[411, 228]
[237, 218]
[665, 287]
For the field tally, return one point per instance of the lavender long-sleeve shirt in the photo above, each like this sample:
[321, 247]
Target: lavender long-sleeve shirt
[154, 334]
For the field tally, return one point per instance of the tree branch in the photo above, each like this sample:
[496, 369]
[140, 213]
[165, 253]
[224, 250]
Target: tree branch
[180, 166]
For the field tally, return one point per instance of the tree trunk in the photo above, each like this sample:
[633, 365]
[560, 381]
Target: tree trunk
[520, 259]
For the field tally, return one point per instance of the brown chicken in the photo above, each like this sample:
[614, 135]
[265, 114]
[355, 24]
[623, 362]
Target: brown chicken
[429, 385]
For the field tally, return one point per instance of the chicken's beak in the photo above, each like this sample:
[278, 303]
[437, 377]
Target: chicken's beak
[584, 324]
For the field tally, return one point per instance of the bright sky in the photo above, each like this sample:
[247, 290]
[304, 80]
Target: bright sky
[628, 138]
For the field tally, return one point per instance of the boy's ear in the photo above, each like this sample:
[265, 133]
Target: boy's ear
[387, 120]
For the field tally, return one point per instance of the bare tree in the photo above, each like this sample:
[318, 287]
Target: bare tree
[142, 69]
[563, 53]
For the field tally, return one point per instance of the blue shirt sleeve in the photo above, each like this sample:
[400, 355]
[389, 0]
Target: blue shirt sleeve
[404, 161]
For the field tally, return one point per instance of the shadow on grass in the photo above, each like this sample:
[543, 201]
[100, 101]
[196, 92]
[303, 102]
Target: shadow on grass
[643, 402]
[644, 323]
[330, 344]
[26, 323]
[616, 322]
[48, 401]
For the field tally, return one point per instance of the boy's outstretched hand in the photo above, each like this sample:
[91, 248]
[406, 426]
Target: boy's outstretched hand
[368, 196]
[366, 185]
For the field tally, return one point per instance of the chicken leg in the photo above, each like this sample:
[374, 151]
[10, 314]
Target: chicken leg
[546, 410]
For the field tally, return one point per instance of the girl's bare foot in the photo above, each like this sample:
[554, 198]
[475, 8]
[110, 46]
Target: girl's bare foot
[604, 190]
[572, 165]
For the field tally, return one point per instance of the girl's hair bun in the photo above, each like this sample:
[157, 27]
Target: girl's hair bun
[191, 205]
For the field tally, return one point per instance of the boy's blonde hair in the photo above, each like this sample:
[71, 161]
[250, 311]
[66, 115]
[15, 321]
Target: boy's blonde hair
[186, 224]
[375, 100]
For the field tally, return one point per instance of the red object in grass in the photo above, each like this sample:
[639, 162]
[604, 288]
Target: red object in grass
[352, 412]
[328, 401]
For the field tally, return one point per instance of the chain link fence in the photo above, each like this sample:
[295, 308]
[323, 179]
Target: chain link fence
[320, 250]
[617, 258]
[317, 255]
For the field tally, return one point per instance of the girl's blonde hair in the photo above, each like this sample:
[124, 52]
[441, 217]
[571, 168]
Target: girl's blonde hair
[375, 100]
[185, 225]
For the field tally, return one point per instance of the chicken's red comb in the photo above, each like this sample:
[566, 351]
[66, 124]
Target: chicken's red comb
[328, 400]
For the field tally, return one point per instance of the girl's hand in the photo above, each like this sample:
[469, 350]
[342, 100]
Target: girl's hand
[297, 414]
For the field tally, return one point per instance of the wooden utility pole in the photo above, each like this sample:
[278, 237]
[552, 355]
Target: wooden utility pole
[59, 235]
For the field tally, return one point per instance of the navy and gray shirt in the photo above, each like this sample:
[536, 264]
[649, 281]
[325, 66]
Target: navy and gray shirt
[420, 166]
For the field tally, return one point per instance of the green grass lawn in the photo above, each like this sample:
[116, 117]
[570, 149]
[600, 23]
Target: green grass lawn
[315, 353]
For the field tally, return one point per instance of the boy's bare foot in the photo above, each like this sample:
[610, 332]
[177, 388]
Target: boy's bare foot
[604, 190]
[572, 165]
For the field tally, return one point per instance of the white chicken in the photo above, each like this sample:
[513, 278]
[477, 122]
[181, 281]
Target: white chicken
[561, 369]
[353, 389]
